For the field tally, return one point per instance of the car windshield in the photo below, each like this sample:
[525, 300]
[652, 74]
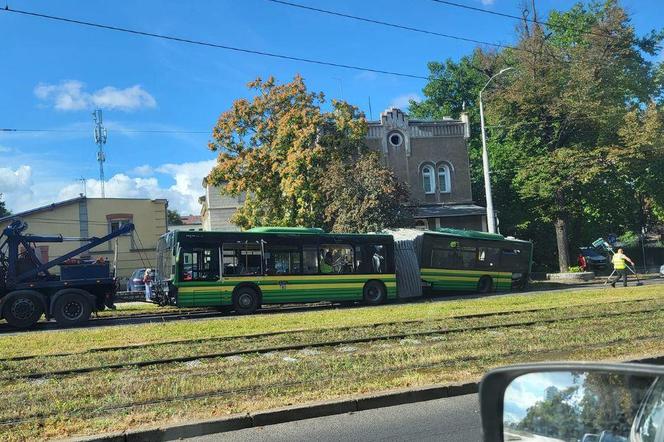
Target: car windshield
[342, 205]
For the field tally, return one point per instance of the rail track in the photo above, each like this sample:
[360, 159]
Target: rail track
[319, 344]
[98, 411]
[321, 329]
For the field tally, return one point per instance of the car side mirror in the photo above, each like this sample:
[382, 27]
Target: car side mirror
[580, 402]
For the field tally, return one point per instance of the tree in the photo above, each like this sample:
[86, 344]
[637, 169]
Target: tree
[576, 88]
[3, 208]
[364, 196]
[278, 148]
[174, 218]
[557, 153]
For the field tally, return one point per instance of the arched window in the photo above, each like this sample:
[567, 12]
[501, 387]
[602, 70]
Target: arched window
[428, 179]
[444, 182]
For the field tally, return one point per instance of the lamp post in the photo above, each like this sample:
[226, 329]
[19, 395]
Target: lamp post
[490, 218]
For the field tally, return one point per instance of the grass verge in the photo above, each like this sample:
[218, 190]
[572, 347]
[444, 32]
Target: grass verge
[112, 400]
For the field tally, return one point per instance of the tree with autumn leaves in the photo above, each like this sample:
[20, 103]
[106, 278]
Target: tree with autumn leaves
[300, 165]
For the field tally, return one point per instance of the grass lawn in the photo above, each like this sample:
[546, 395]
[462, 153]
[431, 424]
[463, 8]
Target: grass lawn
[112, 400]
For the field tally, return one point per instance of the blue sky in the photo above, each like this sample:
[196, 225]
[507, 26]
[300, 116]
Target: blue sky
[55, 74]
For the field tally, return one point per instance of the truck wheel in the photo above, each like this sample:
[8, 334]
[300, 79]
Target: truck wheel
[23, 308]
[71, 309]
[374, 293]
[245, 301]
[485, 285]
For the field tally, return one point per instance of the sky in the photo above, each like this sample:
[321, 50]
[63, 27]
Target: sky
[55, 74]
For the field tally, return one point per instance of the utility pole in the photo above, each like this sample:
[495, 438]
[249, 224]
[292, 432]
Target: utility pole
[490, 216]
[100, 140]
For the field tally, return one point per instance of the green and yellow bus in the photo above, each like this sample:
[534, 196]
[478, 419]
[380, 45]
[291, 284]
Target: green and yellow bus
[469, 261]
[244, 270]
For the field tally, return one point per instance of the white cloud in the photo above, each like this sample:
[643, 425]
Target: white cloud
[488, 2]
[16, 185]
[182, 195]
[144, 170]
[71, 95]
[403, 101]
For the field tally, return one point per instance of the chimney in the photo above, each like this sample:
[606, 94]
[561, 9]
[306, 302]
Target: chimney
[466, 125]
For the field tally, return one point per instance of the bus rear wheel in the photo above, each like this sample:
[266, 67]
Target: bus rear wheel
[485, 285]
[23, 308]
[245, 301]
[374, 293]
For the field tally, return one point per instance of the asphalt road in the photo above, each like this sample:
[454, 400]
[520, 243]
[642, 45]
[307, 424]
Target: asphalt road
[454, 419]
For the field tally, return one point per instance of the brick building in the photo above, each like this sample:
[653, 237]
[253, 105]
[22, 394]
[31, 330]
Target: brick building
[432, 158]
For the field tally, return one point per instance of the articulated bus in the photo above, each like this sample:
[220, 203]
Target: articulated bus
[243, 270]
[464, 260]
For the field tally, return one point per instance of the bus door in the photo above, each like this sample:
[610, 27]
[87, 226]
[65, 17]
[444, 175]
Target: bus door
[199, 276]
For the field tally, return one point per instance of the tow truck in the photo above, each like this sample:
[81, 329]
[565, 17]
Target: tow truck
[28, 290]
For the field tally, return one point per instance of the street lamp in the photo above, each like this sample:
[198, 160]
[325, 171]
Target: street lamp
[490, 218]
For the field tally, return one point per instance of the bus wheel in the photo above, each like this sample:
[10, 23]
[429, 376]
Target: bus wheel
[245, 301]
[23, 308]
[374, 293]
[485, 285]
[71, 308]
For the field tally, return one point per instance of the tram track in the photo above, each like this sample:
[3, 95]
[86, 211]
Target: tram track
[537, 354]
[313, 330]
[316, 344]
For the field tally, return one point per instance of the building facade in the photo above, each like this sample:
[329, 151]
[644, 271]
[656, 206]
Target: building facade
[217, 209]
[96, 217]
[190, 223]
[432, 158]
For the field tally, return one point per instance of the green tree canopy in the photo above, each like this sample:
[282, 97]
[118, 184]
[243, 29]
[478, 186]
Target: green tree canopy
[288, 155]
[573, 130]
[174, 218]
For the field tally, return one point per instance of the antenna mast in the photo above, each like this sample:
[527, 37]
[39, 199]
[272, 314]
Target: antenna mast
[100, 140]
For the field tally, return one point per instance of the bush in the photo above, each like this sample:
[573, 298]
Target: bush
[629, 239]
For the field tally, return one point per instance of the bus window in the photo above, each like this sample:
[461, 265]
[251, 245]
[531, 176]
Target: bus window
[456, 258]
[370, 258]
[200, 264]
[282, 260]
[514, 259]
[487, 257]
[336, 258]
[310, 259]
[242, 259]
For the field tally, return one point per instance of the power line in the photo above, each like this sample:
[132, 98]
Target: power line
[137, 131]
[210, 44]
[516, 17]
[392, 25]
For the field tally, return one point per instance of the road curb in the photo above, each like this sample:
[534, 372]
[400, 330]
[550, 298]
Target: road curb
[286, 414]
[300, 412]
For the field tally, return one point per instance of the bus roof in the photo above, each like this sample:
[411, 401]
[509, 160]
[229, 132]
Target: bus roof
[304, 231]
[472, 234]
[310, 230]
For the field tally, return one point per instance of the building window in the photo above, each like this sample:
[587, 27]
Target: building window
[395, 139]
[444, 182]
[428, 180]
[116, 222]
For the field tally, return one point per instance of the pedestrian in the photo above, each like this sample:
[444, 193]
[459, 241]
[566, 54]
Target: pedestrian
[147, 280]
[582, 262]
[620, 267]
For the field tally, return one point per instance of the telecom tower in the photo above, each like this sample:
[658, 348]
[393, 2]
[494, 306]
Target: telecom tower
[100, 140]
